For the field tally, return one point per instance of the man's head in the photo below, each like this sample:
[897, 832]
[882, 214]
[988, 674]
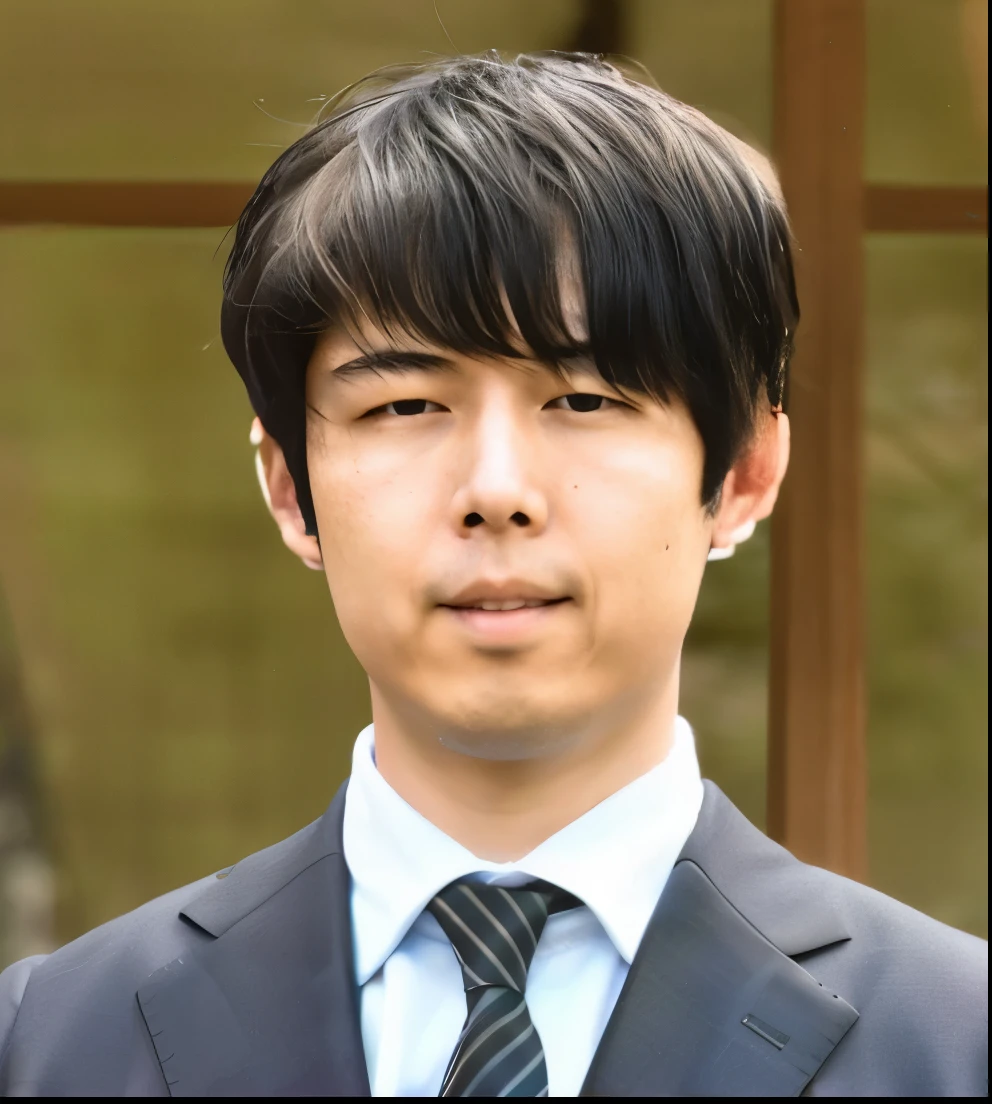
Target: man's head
[516, 331]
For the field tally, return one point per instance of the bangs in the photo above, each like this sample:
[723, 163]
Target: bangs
[427, 250]
[544, 208]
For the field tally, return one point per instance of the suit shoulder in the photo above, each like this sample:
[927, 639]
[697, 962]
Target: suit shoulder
[798, 907]
[109, 962]
[57, 1010]
[72, 1018]
[921, 991]
[132, 944]
[885, 928]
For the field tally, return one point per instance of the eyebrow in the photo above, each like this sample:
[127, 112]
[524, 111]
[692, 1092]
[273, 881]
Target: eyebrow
[399, 361]
[393, 361]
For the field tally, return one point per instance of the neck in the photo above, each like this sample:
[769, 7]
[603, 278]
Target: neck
[499, 809]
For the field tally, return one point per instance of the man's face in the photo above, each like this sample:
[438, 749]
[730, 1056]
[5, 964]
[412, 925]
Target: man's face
[441, 482]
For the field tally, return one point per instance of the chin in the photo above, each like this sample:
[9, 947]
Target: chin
[505, 727]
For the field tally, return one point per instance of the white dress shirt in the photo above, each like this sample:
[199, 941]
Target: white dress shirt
[616, 858]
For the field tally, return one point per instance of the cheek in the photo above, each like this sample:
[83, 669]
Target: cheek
[369, 523]
[642, 505]
[644, 527]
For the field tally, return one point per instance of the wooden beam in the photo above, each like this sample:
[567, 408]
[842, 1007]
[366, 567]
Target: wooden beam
[888, 208]
[816, 743]
[123, 203]
[891, 208]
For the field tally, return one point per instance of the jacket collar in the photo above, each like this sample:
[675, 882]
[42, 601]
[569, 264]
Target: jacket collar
[791, 904]
[714, 1005]
[269, 1007]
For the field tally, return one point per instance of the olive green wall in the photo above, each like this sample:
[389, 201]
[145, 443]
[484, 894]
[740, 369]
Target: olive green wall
[191, 696]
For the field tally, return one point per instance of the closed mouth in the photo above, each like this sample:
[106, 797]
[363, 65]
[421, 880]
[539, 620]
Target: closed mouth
[506, 605]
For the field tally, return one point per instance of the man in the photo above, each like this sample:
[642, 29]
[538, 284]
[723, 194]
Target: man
[517, 333]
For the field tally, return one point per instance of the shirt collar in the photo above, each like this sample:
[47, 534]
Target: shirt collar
[616, 857]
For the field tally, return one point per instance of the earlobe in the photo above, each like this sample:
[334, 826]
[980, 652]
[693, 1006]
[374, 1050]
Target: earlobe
[738, 536]
[279, 493]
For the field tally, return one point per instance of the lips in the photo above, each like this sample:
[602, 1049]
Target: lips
[506, 604]
[504, 594]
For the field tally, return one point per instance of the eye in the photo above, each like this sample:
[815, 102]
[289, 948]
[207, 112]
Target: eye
[582, 402]
[406, 407]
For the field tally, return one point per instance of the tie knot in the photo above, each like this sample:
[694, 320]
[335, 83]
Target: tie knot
[494, 931]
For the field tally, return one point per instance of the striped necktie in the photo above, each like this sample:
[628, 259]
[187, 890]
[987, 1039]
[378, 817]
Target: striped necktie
[494, 933]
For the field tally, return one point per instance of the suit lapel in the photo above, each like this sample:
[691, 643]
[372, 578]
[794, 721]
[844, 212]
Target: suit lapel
[269, 1006]
[711, 1006]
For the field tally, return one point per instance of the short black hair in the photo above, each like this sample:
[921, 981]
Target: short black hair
[435, 196]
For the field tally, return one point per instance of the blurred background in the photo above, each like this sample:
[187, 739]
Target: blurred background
[174, 690]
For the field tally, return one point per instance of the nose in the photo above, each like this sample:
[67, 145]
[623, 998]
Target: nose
[500, 464]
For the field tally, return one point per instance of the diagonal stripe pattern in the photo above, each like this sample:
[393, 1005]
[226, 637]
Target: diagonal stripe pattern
[494, 933]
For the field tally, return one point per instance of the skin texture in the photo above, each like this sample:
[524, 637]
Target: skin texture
[502, 738]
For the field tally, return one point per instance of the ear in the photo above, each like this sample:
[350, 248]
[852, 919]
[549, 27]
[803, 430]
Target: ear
[279, 493]
[751, 487]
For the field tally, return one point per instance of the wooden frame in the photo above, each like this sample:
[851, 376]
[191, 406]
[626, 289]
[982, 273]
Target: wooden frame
[817, 776]
[177, 204]
[816, 731]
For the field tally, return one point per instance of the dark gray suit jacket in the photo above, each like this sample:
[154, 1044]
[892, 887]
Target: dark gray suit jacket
[757, 976]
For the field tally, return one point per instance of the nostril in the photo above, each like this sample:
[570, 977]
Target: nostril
[474, 519]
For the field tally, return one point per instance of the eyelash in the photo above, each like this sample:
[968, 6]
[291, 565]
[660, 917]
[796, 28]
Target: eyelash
[574, 395]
